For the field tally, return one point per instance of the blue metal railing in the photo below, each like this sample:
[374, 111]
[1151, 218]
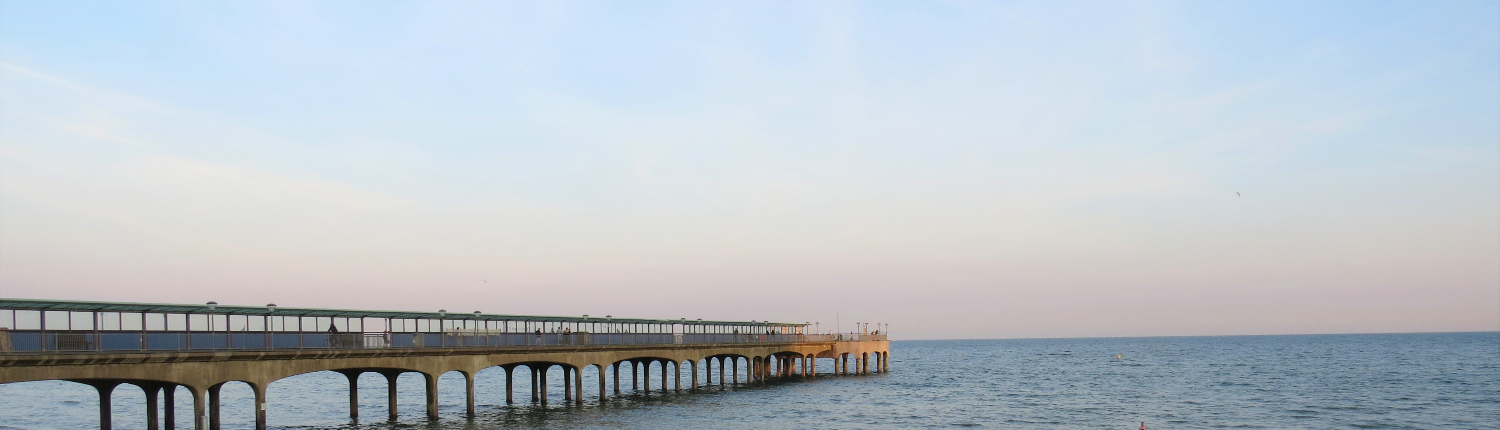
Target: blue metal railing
[30, 341]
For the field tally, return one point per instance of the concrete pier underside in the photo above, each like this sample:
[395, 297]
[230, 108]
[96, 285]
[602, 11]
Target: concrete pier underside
[202, 372]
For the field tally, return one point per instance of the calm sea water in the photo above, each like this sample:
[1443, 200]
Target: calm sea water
[1397, 381]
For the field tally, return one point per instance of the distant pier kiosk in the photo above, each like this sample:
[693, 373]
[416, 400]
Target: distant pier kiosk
[199, 348]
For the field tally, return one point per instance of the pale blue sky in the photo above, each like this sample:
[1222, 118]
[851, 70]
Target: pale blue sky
[985, 169]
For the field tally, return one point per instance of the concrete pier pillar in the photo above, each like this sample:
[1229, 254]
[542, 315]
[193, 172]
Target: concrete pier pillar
[200, 411]
[567, 382]
[617, 378]
[646, 376]
[469, 391]
[635, 367]
[213, 406]
[676, 376]
[578, 385]
[390, 394]
[542, 384]
[106, 390]
[763, 370]
[535, 390]
[663, 365]
[602, 384]
[510, 386]
[721, 371]
[693, 367]
[432, 394]
[735, 366]
[153, 421]
[169, 406]
[260, 405]
[353, 376]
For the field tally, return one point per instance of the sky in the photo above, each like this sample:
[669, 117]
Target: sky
[953, 169]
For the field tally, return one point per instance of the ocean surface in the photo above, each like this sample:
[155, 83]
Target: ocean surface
[1382, 381]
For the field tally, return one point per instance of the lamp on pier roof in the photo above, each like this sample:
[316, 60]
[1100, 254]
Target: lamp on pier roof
[585, 316]
[270, 307]
[476, 314]
[442, 313]
[212, 305]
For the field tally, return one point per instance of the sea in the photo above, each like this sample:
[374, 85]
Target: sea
[1352, 381]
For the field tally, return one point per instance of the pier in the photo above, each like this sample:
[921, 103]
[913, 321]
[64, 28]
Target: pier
[163, 348]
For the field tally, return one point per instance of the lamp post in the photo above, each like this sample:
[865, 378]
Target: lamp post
[211, 306]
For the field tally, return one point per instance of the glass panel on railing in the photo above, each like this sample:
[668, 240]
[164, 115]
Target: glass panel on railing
[120, 341]
[169, 341]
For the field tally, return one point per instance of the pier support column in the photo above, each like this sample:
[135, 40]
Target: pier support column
[708, 371]
[260, 405]
[663, 364]
[510, 386]
[635, 367]
[390, 394]
[469, 391]
[353, 376]
[535, 390]
[693, 368]
[734, 364]
[169, 406]
[602, 384]
[105, 389]
[200, 411]
[646, 376]
[676, 376]
[617, 378]
[762, 369]
[432, 395]
[153, 421]
[578, 385]
[567, 380]
[721, 371]
[542, 383]
[213, 406]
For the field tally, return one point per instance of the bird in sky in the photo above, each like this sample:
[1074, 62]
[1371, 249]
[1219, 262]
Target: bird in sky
[1237, 194]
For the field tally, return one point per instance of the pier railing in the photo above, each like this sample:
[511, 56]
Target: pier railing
[23, 341]
[37, 326]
